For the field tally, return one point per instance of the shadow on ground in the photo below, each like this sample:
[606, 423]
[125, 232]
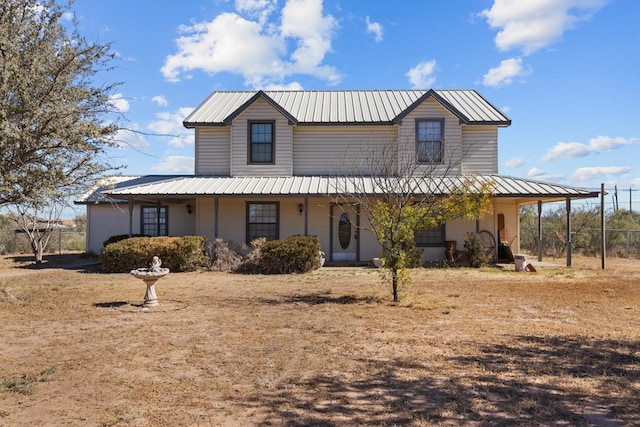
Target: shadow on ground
[76, 262]
[319, 298]
[532, 381]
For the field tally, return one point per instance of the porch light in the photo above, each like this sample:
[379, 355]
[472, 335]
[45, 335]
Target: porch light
[300, 208]
[189, 208]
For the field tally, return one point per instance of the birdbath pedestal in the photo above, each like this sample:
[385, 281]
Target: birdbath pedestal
[150, 276]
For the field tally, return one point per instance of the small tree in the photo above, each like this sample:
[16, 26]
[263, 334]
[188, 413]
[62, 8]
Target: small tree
[38, 218]
[400, 196]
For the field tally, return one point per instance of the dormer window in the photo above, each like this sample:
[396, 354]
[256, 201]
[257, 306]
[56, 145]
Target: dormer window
[261, 141]
[429, 140]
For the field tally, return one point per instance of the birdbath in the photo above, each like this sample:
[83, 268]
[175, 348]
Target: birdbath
[150, 276]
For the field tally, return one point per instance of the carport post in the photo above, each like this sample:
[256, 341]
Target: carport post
[539, 230]
[568, 231]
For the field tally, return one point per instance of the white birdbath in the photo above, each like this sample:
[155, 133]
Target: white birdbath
[150, 276]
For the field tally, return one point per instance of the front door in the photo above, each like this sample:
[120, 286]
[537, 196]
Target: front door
[344, 239]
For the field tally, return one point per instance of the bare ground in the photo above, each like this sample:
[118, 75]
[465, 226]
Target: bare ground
[464, 347]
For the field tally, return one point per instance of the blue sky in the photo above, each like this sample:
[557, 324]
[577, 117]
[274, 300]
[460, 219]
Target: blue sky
[565, 71]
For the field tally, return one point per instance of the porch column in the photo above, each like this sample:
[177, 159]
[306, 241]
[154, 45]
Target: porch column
[216, 206]
[130, 217]
[568, 231]
[539, 230]
[306, 216]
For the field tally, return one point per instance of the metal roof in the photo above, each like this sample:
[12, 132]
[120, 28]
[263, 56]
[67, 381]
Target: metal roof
[217, 186]
[346, 106]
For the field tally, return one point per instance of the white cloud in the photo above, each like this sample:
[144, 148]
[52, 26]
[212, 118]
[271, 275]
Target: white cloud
[513, 162]
[535, 172]
[260, 9]
[504, 73]
[374, 28]
[421, 76]
[257, 49]
[303, 20]
[161, 100]
[531, 25]
[589, 173]
[119, 103]
[130, 138]
[599, 144]
[175, 164]
[170, 123]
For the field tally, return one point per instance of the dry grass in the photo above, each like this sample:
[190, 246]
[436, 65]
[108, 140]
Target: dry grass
[464, 347]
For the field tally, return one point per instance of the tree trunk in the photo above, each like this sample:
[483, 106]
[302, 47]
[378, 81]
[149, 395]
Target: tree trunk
[394, 284]
[38, 250]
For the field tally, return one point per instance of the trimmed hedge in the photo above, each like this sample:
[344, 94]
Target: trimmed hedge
[119, 237]
[184, 253]
[295, 254]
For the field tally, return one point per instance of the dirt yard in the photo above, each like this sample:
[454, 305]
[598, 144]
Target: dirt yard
[464, 347]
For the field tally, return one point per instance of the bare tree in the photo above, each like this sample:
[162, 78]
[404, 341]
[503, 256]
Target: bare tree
[402, 193]
[38, 218]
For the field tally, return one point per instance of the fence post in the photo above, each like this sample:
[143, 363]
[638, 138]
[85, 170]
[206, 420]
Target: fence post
[603, 243]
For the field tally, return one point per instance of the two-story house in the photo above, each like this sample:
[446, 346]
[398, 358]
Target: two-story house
[272, 163]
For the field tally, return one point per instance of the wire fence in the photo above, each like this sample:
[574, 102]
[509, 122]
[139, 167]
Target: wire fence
[62, 240]
[618, 242]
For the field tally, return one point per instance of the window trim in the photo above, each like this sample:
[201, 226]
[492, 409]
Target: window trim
[250, 143]
[158, 209]
[440, 160]
[443, 237]
[248, 239]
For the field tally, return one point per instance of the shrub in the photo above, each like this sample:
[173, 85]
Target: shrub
[184, 253]
[295, 254]
[477, 253]
[221, 256]
[119, 237]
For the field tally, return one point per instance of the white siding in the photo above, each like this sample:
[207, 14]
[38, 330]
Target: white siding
[452, 157]
[213, 151]
[479, 149]
[261, 110]
[333, 150]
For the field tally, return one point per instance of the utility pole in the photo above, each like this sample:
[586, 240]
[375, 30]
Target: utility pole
[615, 201]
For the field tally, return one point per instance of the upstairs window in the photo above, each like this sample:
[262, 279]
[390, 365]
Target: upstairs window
[429, 140]
[261, 142]
[154, 220]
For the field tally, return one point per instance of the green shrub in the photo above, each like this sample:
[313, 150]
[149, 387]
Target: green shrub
[184, 253]
[119, 237]
[295, 254]
[477, 253]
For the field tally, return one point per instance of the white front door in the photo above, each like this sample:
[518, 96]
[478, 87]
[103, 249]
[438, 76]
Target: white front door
[345, 233]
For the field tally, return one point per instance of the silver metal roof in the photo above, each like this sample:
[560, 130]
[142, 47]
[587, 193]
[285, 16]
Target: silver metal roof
[215, 186]
[346, 106]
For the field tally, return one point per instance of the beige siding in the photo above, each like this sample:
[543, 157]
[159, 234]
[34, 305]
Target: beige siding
[332, 150]
[261, 110]
[213, 151]
[105, 221]
[479, 149]
[205, 218]
[511, 212]
[452, 157]
[110, 220]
